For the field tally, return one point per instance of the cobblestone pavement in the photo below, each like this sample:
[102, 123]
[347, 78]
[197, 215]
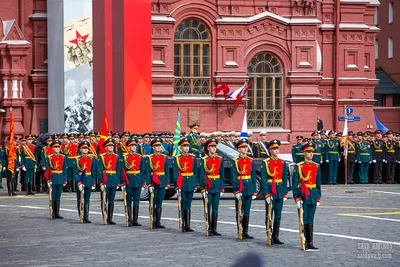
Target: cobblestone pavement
[355, 226]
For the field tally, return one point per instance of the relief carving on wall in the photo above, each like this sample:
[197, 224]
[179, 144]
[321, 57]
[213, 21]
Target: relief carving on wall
[304, 7]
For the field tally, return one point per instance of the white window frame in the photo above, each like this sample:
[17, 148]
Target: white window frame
[390, 12]
[390, 47]
[376, 49]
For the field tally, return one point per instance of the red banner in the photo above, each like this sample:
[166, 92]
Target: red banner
[12, 155]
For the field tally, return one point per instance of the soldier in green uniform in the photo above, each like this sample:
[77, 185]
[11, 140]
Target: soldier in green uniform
[243, 175]
[211, 177]
[351, 157]
[378, 154]
[109, 168]
[307, 192]
[333, 157]
[262, 145]
[159, 179]
[1, 165]
[274, 186]
[56, 171]
[297, 154]
[318, 149]
[186, 181]
[29, 159]
[390, 157]
[364, 158]
[11, 178]
[194, 139]
[135, 167]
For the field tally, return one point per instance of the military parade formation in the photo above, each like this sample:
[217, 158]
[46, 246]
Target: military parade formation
[87, 163]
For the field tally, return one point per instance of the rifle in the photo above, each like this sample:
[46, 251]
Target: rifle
[50, 203]
[151, 209]
[301, 231]
[239, 216]
[179, 212]
[81, 206]
[205, 202]
[268, 224]
[104, 206]
[125, 209]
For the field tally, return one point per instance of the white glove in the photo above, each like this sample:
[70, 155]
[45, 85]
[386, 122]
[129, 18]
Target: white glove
[17, 169]
[238, 196]
[103, 187]
[359, 161]
[268, 200]
[93, 187]
[166, 187]
[49, 184]
[221, 194]
[80, 187]
[194, 191]
[253, 197]
[64, 185]
[123, 188]
[151, 189]
[318, 203]
[385, 160]
[374, 161]
[327, 160]
[4, 168]
[24, 169]
[321, 162]
[178, 191]
[204, 194]
[298, 204]
[355, 161]
[284, 199]
[142, 188]
[339, 160]
[370, 162]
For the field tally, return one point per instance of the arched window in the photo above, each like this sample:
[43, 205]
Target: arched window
[265, 104]
[192, 68]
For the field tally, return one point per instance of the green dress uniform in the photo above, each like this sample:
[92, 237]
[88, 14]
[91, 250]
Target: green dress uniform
[390, 158]
[262, 149]
[297, 154]
[333, 156]
[243, 176]
[29, 160]
[57, 166]
[351, 161]
[71, 152]
[185, 180]
[318, 151]
[274, 171]
[135, 167]
[378, 155]
[194, 144]
[211, 178]
[364, 158]
[307, 189]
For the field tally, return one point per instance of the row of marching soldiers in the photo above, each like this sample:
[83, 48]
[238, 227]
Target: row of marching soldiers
[132, 172]
[372, 157]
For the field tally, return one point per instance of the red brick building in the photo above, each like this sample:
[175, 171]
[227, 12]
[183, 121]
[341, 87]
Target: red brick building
[302, 63]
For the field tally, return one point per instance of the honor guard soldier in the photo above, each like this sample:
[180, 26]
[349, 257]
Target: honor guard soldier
[262, 145]
[159, 181]
[56, 169]
[211, 177]
[64, 142]
[318, 148]
[122, 144]
[11, 177]
[333, 157]
[71, 151]
[86, 172]
[351, 157]
[364, 157]
[202, 143]
[243, 175]
[29, 160]
[274, 186]
[135, 167]
[194, 139]
[307, 192]
[110, 169]
[146, 147]
[185, 180]
[378, 150]
[297, 154]
[390, 157]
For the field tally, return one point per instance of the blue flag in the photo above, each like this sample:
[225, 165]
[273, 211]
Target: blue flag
[177, 135]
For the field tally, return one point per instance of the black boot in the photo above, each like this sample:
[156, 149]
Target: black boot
[245, 225]
[9, 189]
[154, 218]
[214, 224]
[79, 210]
[13, 187]
[26, 189]
[31, 189]
[86, 213]
[110, 214]
[58, 210]
[183, 218]
[309, 238]
[129, 211]
[210, 228]
[188, 215]
[275, 233]
[158, 222]
[136, 216]
[53, 208]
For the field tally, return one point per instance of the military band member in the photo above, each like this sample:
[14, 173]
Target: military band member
[262, 145]
[274, 186]
[364, 157]
[333, 157]
[194, 139]
[211, 177]
[378, 152]
[185, 168]
[390, 157]
[135, 167]
[297, 154]
[243, 175]
[109, 169]
[56, 167]
[29, 160]
[159, 179]
[85, 162]
[307, 192]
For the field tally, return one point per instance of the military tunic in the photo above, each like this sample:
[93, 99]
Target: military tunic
[110, 173]
[297, 154]
[135, 167]
[262, 149]
[194, 144]
[158, 165]
[186, 166]
[333, 155]
[390, 157]
[58, 174]
[29, 160]
[351, 159]
[378, 155]
[364, 158]
[89, 164]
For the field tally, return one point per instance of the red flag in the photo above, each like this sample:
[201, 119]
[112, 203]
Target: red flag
[222, 87]
[155, 178]
[12, 153]
[240, 184]
[104, 134]
[209, 184]
[125, 177]
[274, 187]
[304, 189]
[179, 182]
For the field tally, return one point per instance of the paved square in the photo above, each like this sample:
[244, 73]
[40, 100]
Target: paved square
[355, 226]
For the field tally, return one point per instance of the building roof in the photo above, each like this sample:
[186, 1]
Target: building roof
[386, 85]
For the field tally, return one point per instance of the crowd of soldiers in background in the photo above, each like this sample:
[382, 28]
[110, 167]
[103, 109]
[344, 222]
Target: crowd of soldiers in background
[377, 154]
